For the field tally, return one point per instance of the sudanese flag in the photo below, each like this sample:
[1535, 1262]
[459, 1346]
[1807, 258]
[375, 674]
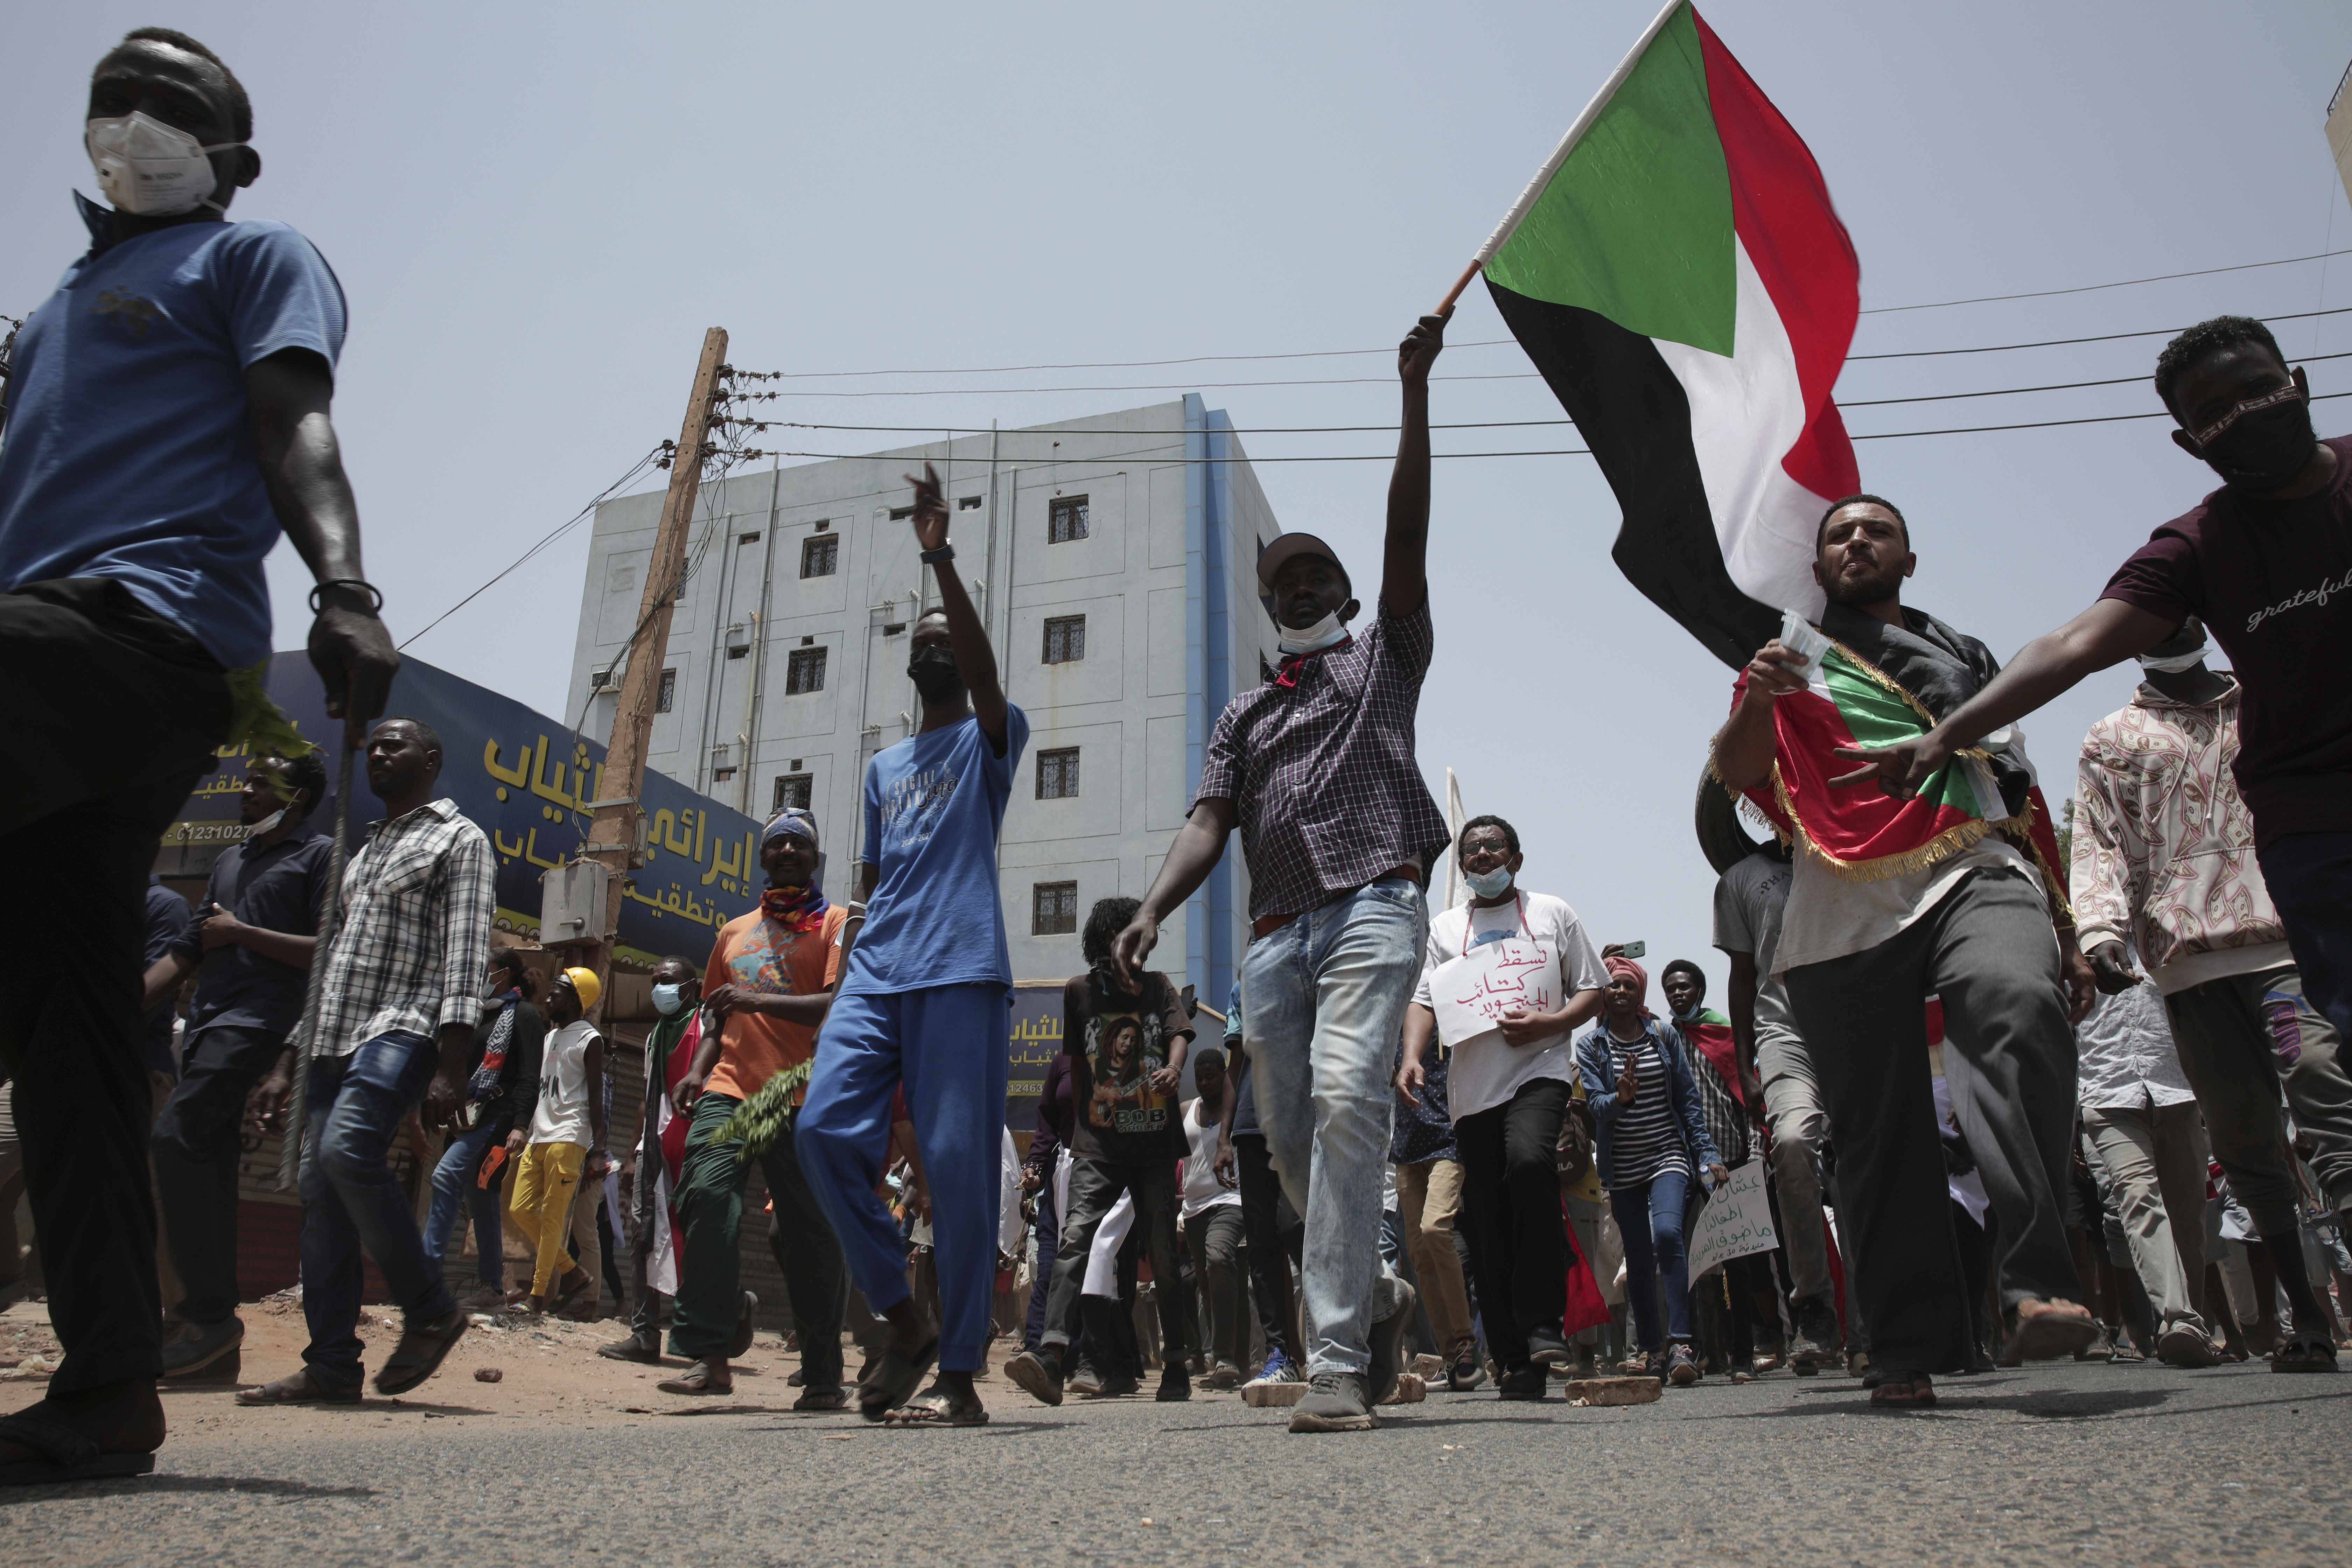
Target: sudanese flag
[1679, 275]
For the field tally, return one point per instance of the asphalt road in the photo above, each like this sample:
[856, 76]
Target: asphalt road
[2106, 1465]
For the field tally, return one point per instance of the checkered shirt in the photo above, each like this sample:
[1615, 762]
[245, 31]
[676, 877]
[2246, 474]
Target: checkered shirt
[1322, 772]
[418, 900]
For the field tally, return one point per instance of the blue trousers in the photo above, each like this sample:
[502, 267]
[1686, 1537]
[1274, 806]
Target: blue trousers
[1650, 1218]
[946, 1044]
[453, 1184]
[2310, 879]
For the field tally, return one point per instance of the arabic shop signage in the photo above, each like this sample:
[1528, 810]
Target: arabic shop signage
[1037, 1041]
[523, 779]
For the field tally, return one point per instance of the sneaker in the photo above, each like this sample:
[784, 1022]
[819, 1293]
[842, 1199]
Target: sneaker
[1530, 1382]
[1815, 1342]
[1334, 1403]
[1087, 1381]
[191, 1348]
[1226, 1374]
[2183, 1346]
[1037, 1373]
[1743, 1372]
[2101, 1347]
[1278, 1368]
[1388, 1344]
[1175, 1384]
[1117, 1386]
[1466, 1374]
[1682, 1368]
[1857, 1362]
[635, 1347]
[1549, 1349]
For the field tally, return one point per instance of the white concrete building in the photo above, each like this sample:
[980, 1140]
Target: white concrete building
[1112, 559]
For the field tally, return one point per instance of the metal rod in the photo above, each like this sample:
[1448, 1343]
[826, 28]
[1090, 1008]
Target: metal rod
[289, 1155]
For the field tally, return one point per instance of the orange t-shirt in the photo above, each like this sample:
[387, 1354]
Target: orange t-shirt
[759, 954]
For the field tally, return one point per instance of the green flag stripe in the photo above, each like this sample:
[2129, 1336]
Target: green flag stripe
[1877, 717]
[1637, 223]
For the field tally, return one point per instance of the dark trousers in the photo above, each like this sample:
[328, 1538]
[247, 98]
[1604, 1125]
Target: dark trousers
[1511, 1213]
[2310, 878]
[1275, 1235]
[1095, 1188]
[1214, 1237]
[1987, 949]
[351, 1203]
[195, 1147]
[710, 1209]
[1049, 1237]
[79, 821]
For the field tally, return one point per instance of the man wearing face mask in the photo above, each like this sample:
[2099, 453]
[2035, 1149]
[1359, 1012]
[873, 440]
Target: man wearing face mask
[657, 1158]
[166, 419]
[2164, 860]
[926, 1003]
[1316, 767]
[2265, 562]
[769, 985]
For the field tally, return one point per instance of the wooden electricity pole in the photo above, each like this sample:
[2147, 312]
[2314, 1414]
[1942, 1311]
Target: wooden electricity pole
[613, 831]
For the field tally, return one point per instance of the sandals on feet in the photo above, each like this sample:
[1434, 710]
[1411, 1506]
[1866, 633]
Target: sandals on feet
[823, 1396]
[2310, 1351]
[895, 1378]
[302, 1388]
[2054, 1333]
[936, 1407]
[1903, 1391]
[68, 1453]
[423, 1345]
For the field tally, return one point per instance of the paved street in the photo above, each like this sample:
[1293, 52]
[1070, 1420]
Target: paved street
[2121, 1466]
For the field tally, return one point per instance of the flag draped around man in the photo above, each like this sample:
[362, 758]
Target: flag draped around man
[1677, 273]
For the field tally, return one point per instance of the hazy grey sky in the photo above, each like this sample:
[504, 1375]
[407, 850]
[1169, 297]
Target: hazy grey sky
[535, 210]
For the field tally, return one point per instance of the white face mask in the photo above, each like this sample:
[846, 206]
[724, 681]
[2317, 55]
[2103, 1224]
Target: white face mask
[1314, 639]
[147, 167]
[2173, 664]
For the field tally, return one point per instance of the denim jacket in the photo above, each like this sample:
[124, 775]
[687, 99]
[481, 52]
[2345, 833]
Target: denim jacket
[1592, 1052]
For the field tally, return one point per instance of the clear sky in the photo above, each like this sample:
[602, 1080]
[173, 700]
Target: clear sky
[536, 209]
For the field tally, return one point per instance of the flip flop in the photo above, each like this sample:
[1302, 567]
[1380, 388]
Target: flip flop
[72, 1456]
[823, 1396]
[2305, 1353]
[1903, 1391]
[894, 1380]
[696, 1379]
[936, 1409]
[2053, 1333]
[300, 1389]
[420, 1352]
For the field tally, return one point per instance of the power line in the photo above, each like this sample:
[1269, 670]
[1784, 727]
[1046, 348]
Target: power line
[2094, 288]
[2053, 386]
[2061, 342]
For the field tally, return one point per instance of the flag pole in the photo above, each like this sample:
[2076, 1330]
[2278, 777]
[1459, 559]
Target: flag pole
[1534, 187]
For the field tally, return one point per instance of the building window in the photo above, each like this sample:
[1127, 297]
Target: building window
[1065, 638]
[804, 670]
[667, 692]
[721, 775]
[1065, 519]
[792, 789]
[1057, 773]
[968, 503]
[1053, 909]
[901, 513]
[753, 538]
[821, 555]
[894, 628]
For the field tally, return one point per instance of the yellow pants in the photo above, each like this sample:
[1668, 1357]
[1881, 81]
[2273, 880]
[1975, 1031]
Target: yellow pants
[546, 1179]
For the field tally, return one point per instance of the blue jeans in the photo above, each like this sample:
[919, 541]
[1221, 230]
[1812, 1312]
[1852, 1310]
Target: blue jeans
[2310, 878]
[1650, 1218]
[454, 1180]
[1323, 1000]
[349, 1200]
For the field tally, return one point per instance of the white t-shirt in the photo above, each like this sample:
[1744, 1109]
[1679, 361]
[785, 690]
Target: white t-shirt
[1202, 1188]
[1828, 917]
[1486, 1070]
[562, 1114]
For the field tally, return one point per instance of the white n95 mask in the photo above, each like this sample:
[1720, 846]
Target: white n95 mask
[147, 167]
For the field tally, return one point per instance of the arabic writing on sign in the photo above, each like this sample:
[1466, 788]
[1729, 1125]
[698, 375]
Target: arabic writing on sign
[1470, 993]
[1735, 1220]
[1036, 1043]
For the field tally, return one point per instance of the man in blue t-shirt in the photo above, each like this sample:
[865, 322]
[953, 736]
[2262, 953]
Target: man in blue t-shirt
[926, 1003]
[166, 421]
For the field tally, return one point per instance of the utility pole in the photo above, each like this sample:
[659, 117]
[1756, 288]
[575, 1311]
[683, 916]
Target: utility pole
[613, 834]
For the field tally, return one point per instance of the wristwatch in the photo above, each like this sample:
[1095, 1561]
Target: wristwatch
[946, 552]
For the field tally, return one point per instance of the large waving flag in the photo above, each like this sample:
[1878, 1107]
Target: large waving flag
[1679, 275]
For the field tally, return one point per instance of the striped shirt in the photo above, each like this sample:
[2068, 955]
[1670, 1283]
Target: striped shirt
[1647, 1143]
[409, 956]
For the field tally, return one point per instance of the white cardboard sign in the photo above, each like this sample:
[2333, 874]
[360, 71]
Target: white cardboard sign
[1470, 993]
[1735, 1220]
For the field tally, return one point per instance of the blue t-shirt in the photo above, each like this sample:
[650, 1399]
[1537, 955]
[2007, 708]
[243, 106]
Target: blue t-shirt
[169, 920]
[126, 442]
[933, 805]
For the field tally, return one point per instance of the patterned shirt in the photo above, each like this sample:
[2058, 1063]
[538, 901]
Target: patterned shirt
[415, 933]
[1319, 764]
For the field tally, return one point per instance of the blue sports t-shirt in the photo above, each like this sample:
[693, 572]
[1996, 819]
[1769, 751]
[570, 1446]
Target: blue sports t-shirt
[126, 440]
[933, 805]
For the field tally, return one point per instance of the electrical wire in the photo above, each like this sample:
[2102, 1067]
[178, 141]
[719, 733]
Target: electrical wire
[2061, 342]
[2094, 288]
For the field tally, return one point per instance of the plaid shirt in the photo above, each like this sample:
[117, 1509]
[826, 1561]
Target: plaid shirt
[1319, 762]
[417, 903]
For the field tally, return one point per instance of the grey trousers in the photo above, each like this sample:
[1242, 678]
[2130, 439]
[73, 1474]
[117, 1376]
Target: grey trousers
[2154, 1160]
[1987, 949]
[645, 1301]
[1792, 1105]
[2240, 1039]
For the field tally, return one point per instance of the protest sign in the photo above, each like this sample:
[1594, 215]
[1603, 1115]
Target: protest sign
[1735, 1220]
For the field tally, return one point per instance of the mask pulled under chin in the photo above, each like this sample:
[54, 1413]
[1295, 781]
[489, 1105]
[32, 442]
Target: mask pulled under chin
[1314, 639]
[1489, 884]
[151, 169]
[2264, 448]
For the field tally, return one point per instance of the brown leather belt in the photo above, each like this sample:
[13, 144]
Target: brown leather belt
[1267, 925]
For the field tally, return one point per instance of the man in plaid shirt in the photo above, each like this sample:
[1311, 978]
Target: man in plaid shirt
[1316, 767]
[395, 1026]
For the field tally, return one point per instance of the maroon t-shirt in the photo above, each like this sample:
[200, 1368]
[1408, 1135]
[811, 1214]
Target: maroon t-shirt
[2272, 582]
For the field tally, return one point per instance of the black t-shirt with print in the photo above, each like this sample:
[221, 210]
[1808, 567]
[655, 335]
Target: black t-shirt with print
[1116, 1042]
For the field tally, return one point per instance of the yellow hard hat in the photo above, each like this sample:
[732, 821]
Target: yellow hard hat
[585, 986]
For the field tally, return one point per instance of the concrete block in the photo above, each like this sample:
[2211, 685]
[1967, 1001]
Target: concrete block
[1594, 1391]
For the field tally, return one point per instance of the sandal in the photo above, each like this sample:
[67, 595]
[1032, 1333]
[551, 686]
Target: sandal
[302, 1388]
[2306, 1352]
[698, 1378]
[2054, 1332]
[69, 1454]
[937, 1408]
[420, 1352]
[895, 1378]
[823, 1396]
[1903, 1391]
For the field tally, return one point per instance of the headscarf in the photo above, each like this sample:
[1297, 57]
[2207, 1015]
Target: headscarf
[1618, 965]
[796, 909]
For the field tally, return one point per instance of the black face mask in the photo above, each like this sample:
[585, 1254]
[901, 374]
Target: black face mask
[935, 673]
[2265, 449]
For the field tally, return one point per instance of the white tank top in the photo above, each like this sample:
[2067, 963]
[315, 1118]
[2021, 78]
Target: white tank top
[1202, 1188]
[562, 1114]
